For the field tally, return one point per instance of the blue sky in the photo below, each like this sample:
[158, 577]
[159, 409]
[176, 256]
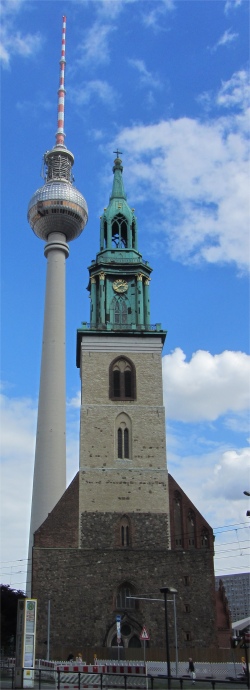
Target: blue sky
[167, 82]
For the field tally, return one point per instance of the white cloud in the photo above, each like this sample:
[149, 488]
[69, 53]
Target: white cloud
[12, 41]
[90, 90]
[235, 91]
[225, 39]
[232, 5]
[75, 402]
[18, 423]
[152, 17]
[146, 77]
[95, 48]
[18, 429]
[9, 7]
[112, 8]
[230, 475]
[199, 173]
[207, 387]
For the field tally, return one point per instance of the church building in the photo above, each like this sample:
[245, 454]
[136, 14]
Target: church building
[123, 528]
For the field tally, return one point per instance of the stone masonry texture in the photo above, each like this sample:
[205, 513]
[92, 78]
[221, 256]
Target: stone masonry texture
[81, 560]
[83, 583]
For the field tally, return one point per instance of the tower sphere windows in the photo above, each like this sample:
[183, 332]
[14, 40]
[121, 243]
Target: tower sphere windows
[122, 379]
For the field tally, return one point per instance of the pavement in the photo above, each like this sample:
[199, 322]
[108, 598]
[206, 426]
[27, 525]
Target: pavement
[6, 684]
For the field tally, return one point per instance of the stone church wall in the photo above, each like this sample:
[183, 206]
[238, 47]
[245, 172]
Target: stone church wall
[83, 584]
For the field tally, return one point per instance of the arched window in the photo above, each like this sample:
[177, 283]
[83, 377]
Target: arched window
[105, 230]
[123, 429]
[122, 383]
[178, 520]
[123, 442]
[191, 529]
[125, 531]
[122, 600]
[134, 642]
[133, 234]
[204, 538]
[120, 311]
[119, 232]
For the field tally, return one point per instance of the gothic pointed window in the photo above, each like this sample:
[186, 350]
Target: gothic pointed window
[105, 231]
[178, 520]
[123, 442]
[123, 600]
[124, 311]
[126, 442]
[133, 235]
[119, 232]
[117, 311]
[123, 431]
[122, 379]
[124, 531]
[120, 311]
[191, 529]
[204, 538]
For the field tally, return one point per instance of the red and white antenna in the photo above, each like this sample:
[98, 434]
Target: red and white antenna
[60, 134]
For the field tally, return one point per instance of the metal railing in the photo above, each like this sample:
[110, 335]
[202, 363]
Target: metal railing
[102, 680]
[121, 327]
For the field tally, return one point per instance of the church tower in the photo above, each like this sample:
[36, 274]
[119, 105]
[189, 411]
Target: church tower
[124, 528]
[123, 495]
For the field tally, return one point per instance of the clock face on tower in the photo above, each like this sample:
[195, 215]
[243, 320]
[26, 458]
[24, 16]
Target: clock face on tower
[120, 285]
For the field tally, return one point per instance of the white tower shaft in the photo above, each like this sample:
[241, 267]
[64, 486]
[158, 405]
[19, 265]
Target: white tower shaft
[57, 213]
[49, 481]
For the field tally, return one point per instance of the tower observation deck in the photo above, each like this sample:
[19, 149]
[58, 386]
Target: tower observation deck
[57, 213]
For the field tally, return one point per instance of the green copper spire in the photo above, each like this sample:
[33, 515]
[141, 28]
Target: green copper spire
[118, 187]
[119, 278]
[118, 227]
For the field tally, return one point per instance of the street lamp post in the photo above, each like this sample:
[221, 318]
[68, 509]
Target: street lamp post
[247, 493]
[164, 591]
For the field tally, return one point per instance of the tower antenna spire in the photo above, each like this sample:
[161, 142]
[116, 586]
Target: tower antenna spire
[57, 213]
[60, 134]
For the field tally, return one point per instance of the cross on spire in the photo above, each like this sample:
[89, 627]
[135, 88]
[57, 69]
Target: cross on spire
[117, 153]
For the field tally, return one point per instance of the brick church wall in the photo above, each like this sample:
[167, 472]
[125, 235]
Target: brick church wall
[147, 530]
[83, 584]
[187, 507]
[61, 526]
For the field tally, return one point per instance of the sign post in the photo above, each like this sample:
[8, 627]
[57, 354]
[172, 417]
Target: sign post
[25, 643]
[145, 636]
[118, 634]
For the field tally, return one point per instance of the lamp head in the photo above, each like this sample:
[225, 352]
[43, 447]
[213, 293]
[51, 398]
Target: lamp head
[170, 590]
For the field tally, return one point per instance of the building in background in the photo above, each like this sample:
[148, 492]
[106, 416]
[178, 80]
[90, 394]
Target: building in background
[237, 591]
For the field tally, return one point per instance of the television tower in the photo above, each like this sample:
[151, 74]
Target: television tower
[57, 214]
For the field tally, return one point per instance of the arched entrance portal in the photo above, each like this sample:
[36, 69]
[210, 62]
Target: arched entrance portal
[130, 634]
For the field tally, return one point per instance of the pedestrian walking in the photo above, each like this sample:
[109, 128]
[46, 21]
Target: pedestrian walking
[191, 669]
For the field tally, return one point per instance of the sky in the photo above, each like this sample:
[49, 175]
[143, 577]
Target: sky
[165, 81]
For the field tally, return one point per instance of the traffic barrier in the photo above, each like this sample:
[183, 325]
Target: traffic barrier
[107, 675]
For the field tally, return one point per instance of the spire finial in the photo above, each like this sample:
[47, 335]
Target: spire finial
[60, 134]
[118, 153]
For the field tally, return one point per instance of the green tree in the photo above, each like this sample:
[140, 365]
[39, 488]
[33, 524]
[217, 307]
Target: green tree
[9, 599]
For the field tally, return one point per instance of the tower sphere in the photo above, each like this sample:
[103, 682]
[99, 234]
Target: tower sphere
[58, 206]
